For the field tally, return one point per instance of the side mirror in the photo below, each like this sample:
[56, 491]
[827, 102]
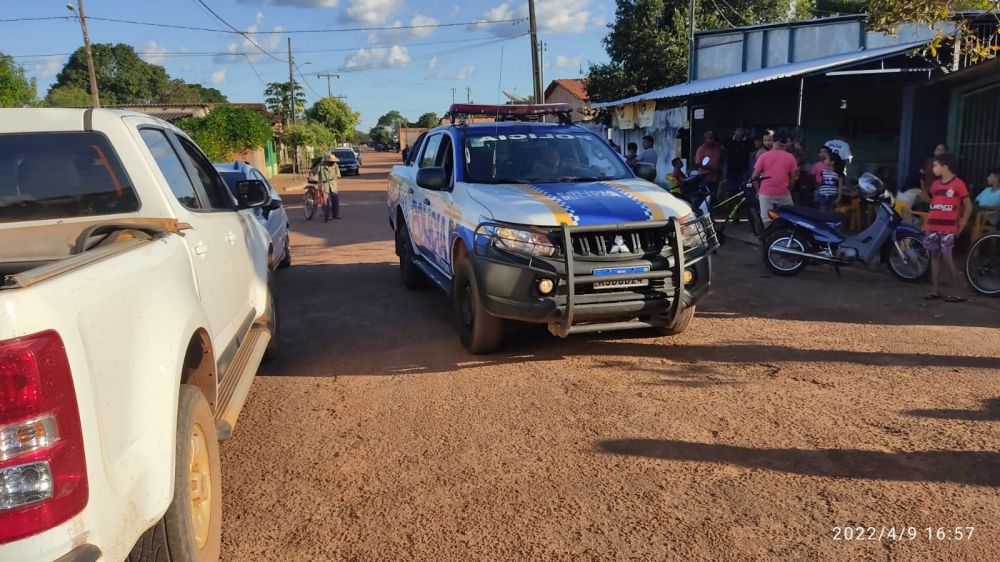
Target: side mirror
[273, 205]
[251, 194]
[646, 171]
[434, 179]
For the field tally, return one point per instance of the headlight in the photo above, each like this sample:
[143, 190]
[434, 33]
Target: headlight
[692, 230]
[524, 242]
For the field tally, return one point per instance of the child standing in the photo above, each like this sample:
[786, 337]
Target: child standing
[950, 211]
[831, 182]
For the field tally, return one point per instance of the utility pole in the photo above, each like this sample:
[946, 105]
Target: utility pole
[291, 82]
[535, 70]
[453, 90]
[691, 53]
[468, 94]
[94, 98]
[329, 92]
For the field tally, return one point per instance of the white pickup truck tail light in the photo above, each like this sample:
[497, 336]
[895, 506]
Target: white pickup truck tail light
[43, 471]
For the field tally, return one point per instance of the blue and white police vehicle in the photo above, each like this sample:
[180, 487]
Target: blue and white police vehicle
[538, 222]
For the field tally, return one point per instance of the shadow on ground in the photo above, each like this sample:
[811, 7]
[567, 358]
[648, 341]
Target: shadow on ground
[978, 468]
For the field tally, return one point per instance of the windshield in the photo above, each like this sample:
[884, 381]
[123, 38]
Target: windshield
[541, 157]
[346, 154]
[61, 175]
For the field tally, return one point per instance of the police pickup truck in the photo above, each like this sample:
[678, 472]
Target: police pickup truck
[539, 222]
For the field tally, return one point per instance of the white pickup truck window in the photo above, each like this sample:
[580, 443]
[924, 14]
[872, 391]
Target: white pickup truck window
[61, 175]
[171, 167]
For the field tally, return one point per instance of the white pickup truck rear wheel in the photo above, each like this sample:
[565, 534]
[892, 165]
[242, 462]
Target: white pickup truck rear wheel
[192, 527]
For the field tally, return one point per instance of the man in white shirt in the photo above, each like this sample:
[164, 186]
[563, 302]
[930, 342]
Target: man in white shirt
[648, 153]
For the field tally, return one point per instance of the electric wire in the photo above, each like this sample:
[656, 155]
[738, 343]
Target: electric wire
[242, 33]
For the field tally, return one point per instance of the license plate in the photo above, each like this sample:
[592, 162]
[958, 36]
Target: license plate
[621, 283]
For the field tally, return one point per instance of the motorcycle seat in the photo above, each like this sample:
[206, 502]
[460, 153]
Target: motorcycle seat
[814, 214]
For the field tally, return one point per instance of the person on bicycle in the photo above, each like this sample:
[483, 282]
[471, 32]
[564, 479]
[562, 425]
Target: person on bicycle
[328, 174]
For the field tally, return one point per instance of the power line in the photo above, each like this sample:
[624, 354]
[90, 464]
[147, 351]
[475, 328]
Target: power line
[304, 81]
[254, 69]
[226, 23]
[273, 32]
[724, 18]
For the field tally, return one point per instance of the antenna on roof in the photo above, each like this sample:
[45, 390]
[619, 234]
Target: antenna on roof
[496, 122]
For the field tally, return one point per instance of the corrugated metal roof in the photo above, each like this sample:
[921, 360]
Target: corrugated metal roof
[765, 74]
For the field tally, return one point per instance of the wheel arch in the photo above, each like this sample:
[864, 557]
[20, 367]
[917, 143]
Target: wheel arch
[199, 366]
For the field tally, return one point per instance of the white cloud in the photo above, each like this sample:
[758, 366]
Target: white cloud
[152, 52]
[260, 16]
[370, 11]
[433, 63]
[460, 74]
[562, 61]
[378, 57]
[296, 3]
[236, 50]
[599, 21]
[219, 76]
[465, 72]
[417, 30]
[553, 16]
[455, 9]
[49, 67]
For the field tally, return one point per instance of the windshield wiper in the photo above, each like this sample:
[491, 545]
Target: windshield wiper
[581, 179]
[508, 180]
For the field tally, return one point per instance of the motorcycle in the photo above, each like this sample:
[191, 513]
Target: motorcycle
[695, 192]
[800, 236]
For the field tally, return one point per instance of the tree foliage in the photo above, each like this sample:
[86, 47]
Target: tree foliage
[227, 130]
[122, 76]
[310, 133]
[277, 97]
[335, 115]
[428, 120]
[16, 90]
[648, 41]
[387, 126]
[67, 96]
[179, 91]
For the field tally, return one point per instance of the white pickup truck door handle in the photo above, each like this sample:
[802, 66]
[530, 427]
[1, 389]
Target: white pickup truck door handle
[231, 238]
[200, 249]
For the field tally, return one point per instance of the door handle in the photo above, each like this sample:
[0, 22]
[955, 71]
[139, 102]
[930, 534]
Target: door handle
[427, 201]
[200, 249]
[231, 238]
[410, 190]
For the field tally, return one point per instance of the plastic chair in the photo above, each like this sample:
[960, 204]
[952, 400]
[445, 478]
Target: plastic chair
[980, 226]
[853, 211]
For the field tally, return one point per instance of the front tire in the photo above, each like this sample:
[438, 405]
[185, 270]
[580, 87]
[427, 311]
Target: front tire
[919, 261]
[273, 324]
[309, 206]
[684, 319]
[286, 261]
[982, 266]
[192, 527]
[480, 331]
[783, 264]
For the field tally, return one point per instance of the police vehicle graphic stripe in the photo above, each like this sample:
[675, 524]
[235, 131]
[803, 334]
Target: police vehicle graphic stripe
[560, 212]
[591, 203]
[655, 211]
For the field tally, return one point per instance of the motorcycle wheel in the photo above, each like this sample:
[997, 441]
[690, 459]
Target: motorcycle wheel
[783, 264]
[917, 262]
[309, 206]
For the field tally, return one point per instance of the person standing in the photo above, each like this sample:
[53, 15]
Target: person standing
[766, 143]
[831, 183]
[737, 153]
[779, 169]
[328, 174]
[648, 153]
[927, 177]
[950, 212]
[631, 156]
[712, 170]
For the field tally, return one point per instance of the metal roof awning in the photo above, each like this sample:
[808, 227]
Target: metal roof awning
[752, 77]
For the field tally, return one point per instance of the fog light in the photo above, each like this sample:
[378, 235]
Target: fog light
[546, 286]
[688, 276]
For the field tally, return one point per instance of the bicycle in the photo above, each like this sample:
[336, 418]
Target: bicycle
[315, 198]
[744, 201]
[982, 265]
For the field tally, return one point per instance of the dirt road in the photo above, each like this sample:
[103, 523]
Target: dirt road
[792, 407]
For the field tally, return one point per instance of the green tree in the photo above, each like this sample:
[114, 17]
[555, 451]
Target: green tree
[179, 91]
[310, 133]
[277, 97]
[122, 76]
[362, 137]
[647, 42]
[68, 96]
[16, 90]
[387, 127]
[428, 120]
[227, 130]
[335, 115]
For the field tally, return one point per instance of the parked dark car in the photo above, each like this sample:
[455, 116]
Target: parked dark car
[348, 161]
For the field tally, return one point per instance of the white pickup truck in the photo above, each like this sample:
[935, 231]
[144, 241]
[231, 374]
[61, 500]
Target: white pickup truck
[135, 308]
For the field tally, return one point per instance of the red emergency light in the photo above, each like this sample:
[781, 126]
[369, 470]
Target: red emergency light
[511, 112]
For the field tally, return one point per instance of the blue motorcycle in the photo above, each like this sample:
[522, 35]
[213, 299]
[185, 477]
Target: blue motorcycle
[800, 236]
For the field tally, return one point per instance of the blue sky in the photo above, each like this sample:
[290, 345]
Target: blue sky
[412, 70]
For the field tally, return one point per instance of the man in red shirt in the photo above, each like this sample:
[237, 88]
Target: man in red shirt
[950, 212]
[779, 168]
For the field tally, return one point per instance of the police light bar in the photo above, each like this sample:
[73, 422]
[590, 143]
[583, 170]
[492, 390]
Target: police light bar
[511, 112]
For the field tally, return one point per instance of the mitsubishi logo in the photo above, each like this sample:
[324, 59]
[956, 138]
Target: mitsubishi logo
[619, 247]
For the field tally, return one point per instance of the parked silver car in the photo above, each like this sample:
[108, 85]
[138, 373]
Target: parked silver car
[272, 215]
